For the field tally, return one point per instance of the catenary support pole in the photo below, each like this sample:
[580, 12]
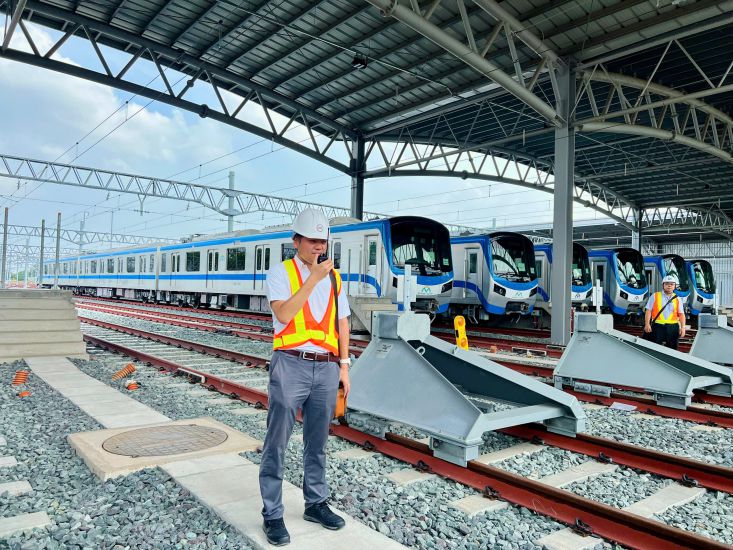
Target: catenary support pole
[25, 269]
[562, 223]
[56, 264]
[358, 167]
[230, 217]
[39, 282]
[5, 250]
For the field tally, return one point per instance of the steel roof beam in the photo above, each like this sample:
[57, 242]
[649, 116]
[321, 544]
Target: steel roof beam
[14, 20]
[236, 30]
[180, 61]
[468, 56]
[80, 237]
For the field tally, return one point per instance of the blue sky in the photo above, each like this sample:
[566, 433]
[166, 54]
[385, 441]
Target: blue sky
[50, 116]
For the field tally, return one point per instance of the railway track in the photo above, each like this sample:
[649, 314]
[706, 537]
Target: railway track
[585, 515]
[692, 414]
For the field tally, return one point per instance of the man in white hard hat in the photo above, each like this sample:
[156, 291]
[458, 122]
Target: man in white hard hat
[664, 318]
[310, 358]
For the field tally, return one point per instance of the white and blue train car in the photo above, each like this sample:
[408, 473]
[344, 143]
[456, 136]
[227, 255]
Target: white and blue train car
[495, 275]
[230, 270]
[621, 272]
[580, 277]
[702, 287]
[658, 267]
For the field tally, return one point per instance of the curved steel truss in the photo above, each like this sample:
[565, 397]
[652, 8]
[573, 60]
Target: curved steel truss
[83, 238]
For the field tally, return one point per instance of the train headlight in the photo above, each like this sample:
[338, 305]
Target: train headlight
[500, 290]
[533, 291]
[624, 296]
[446, 287]
[699, 299]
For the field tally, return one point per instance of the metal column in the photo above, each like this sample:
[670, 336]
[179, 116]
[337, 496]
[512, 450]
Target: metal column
[39, 280]
[636, 233]
[562, 223]
[357, 179]
[25, 269]
[230, 217]
[5, 250]
[56, 264]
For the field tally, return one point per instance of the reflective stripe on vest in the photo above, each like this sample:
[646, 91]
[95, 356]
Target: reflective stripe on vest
[303, 328]
[659, 301]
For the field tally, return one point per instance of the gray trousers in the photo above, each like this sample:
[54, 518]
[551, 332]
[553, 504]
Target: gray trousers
[297, 383]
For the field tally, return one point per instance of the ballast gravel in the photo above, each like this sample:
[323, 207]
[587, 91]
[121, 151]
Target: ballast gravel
[143, 510]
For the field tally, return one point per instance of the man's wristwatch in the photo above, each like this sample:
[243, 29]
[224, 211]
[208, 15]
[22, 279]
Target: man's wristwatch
[346, 361]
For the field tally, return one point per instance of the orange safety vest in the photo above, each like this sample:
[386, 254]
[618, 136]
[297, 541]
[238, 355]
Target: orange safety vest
[304, 328]
[659, 301]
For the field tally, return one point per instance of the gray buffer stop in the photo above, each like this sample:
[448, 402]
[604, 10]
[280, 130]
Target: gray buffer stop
[714, 340]
[454, 396]
[599, 358]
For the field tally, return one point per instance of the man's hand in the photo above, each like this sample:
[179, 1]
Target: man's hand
[321, 271]
[682, 331]
[344, 379]
[648, 328]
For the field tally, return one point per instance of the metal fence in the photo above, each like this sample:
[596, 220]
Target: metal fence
[720, 256]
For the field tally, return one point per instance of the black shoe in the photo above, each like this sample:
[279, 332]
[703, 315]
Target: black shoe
[321, 513]
[276, 532]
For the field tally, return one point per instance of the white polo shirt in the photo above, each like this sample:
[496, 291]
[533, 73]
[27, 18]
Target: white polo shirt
[278, 288]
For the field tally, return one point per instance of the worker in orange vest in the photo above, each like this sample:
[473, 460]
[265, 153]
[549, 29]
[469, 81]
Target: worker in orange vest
[310, 359]
[664, 318]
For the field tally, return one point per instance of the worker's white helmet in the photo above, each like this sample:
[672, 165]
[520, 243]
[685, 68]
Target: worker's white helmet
[669, 279]
[311, 223]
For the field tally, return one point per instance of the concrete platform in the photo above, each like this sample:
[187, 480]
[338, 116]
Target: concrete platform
[39, 323]
[229, 486]
[106, 465]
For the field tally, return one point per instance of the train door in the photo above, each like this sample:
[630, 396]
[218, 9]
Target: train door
[262, 266]
[212, 266]
[472, 267]
[371, 261]
[652, 279]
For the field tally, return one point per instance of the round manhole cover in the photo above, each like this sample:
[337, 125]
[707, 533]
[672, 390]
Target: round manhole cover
[164, 440]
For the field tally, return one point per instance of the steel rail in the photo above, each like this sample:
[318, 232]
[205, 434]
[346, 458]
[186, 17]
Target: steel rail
[589, 516]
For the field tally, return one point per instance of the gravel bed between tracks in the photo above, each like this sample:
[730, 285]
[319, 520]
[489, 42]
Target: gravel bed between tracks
[143, 510]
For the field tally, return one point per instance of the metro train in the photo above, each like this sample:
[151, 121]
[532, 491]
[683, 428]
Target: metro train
[229, 270]
[621, 272]
[494, 275]
[658, 267]
[580, 277]
[702, 287]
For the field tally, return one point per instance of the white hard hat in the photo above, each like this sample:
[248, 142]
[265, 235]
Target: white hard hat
[311, 223]
[669, 279]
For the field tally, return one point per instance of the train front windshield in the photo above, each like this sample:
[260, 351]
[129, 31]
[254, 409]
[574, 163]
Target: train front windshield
[423, 243]
[630, 266]
[512, 258]
[581, 266]
[675, 266]
[704, 278]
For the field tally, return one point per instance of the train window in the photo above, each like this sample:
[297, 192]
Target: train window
[140, 265]
[236, 258]
[193, 261]
[288, 251]
[163, 258]
[336, 253]
[216, 261]
[373, 253]
[94, 266]
[473, 263]
[152, 263]
[211, 260]
[538, 268]
[258, 259]
[66, 268]
[110, 266]
[267, 259]
[131, 265]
